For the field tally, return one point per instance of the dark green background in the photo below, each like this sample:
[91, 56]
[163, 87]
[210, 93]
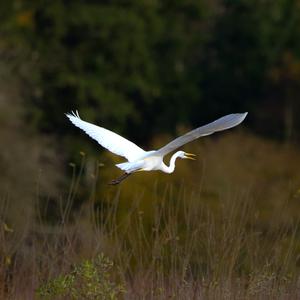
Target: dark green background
[143, 67]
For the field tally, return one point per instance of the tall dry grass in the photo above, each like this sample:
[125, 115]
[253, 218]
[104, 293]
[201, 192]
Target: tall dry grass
[226, 227]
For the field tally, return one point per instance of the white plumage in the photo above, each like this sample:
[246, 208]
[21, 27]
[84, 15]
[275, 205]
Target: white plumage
[108, 139]
[141, 160]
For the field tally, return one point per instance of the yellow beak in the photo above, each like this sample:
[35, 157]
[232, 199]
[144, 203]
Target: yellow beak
[189, 156]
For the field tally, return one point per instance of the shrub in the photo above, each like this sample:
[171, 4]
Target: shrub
[91, 279]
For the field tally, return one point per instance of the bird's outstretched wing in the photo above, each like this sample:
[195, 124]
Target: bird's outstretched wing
[223, 123]
[108, 139]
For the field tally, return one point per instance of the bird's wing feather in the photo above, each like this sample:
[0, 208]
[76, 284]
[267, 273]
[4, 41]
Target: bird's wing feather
[108, 139]
[223, 123]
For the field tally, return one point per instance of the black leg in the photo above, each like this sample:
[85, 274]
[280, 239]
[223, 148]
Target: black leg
[119, 179]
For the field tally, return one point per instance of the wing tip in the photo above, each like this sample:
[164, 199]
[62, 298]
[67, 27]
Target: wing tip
[73, 114]
[240, 117]
[243, 116]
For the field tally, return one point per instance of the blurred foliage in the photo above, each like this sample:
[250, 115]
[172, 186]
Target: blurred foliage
[143, 67]
[150, 70]
[226, 223]
[30, 166]
[147, 69]
[89, 280]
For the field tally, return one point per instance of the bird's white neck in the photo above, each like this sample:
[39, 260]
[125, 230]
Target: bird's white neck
[170, 169]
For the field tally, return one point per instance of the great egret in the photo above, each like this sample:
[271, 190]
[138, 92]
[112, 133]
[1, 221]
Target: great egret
[140, 160]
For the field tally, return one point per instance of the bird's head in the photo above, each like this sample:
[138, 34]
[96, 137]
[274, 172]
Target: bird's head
[185, 155]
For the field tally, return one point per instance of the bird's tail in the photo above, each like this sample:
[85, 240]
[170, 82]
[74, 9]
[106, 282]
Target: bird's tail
[130, 167]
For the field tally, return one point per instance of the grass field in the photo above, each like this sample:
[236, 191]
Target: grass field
[225, 227]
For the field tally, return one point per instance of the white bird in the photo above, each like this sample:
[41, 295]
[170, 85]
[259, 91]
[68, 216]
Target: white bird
[141, 160]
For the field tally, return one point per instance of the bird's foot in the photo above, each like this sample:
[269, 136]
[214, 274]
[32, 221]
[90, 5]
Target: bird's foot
[119, 179]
